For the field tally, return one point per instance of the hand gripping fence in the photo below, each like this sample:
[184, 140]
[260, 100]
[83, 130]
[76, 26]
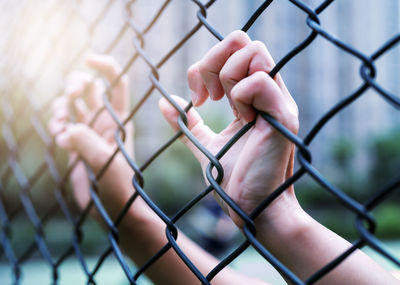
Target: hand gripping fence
[17, 181]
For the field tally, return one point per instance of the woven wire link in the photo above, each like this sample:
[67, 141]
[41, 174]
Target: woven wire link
[19, 182]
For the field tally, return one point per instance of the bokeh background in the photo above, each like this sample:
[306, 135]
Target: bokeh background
[42, 41]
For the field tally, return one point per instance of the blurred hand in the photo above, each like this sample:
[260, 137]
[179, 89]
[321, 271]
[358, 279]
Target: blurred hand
[95, 144]
[141, 232]
[262, 159]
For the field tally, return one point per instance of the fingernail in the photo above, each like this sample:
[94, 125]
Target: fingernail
[211, 95]
[195, 97]
[233, 107]
[236, 113]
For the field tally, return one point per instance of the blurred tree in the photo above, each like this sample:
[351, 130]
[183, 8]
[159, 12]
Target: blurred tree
[385, 159]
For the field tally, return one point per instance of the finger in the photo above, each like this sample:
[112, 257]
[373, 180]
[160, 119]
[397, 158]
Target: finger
[246, 61]
[260, 92]
[79, 84]
[94, 92]
[55, 126]
[60, 108]
[199, 92]
[76, 83]
[87, 143]
[108, 67]
[80, 182]
[212, 63]
[81, 109]
[194, 123]
[105, 64]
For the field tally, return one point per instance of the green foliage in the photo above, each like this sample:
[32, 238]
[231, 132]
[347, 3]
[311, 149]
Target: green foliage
[173, 178]
[388, 219]
[342, 151]
[310, 194]
[383, 168]
[385, 156]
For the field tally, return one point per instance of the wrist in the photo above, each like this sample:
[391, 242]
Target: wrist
[282, 219]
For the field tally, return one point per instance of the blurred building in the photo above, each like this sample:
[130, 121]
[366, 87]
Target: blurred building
[318, 77]
[38, 59]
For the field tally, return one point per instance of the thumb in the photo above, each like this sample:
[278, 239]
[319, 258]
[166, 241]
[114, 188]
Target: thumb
[194, 123]
[86, 143]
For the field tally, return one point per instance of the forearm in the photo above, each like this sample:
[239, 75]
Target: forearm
[143, 238]
[305, 246]
[142, 233]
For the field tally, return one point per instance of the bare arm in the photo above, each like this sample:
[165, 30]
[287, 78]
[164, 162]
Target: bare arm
[235, 67]
[141, 232]
[261, 160]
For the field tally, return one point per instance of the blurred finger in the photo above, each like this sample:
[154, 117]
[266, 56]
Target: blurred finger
[81, 110]
[55, 126]
[105, 64]
[95, 90]
[83, 85]
[87, 143]
[108, 67]
[60, 108]
[76, 83]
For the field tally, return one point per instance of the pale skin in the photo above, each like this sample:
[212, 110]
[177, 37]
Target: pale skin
[237, 68]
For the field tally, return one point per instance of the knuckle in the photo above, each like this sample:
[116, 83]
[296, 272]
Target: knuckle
[202, 67]
[191, 72]
[235, 94]
[261, 54]
[238, 39]
[284, 109]
[225, 75]
[259, 81]
[258, 46]
[192, 69]
[78, 130]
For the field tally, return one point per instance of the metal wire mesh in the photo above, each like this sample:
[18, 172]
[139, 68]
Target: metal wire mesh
[24, 127]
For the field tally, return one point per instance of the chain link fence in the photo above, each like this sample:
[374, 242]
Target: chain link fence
[44, 41]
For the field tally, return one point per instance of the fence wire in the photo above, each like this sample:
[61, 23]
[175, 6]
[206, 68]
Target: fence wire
[24, 119]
